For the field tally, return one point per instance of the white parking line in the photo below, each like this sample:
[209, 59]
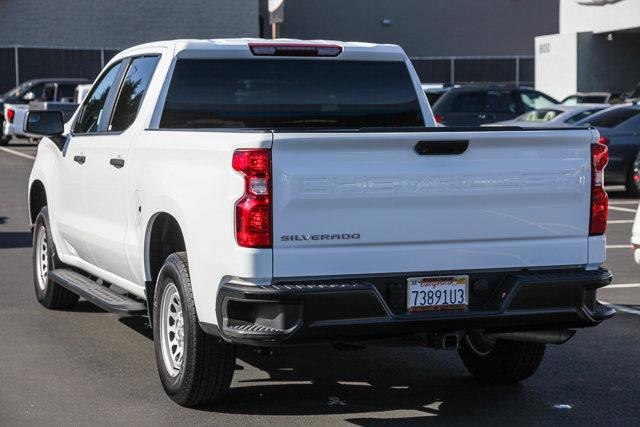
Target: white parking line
[623, 202]
[623, 285]
[16, 153]
[620, 221]
[619, 246]
[622, 308]
[616, 208]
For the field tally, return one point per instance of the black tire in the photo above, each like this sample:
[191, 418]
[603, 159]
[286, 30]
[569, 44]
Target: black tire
[208, 362]
[4, 140]
[632, 185]
[49, 294]
[506, 362]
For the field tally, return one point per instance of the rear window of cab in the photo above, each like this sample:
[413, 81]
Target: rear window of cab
[292, 93]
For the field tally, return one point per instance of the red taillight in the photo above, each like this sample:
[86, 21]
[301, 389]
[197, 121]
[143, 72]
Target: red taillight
[253, 210]
[10, 115]
[599, 198]
[438, 118]
[294, 49]
[603, 140]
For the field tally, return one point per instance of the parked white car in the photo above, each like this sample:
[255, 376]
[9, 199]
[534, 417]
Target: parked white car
[556, 116]
[259, 192]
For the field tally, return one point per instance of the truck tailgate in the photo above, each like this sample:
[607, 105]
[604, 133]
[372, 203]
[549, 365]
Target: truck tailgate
[367, 203]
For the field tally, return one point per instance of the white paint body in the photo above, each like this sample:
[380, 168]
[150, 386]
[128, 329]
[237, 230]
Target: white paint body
[512, 200]
[15, 128]
[635, 236]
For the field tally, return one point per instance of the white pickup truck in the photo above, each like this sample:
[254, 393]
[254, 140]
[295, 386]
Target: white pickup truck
[263, 193]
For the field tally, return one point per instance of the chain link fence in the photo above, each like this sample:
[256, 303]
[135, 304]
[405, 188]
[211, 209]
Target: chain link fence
[503, 70]
[20, 63]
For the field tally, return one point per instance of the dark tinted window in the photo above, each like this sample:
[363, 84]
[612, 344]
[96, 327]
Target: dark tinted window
[132, 91]
[432, 97]
[611, 118]
[49, 92]
[582, 115]
[271, 93]
[66, 91]
[93, 105]
[469, 102]
[500, 101]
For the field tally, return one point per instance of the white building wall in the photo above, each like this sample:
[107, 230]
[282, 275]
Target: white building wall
[557, 64]
[576, 17]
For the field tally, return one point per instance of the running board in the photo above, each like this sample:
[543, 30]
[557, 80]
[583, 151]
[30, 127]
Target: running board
[100, 295]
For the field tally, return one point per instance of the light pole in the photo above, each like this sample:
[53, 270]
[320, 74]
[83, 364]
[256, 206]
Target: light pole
[276, 16]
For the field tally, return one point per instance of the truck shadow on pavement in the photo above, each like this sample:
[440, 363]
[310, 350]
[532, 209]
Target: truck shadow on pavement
[367, 387]
[14, 239]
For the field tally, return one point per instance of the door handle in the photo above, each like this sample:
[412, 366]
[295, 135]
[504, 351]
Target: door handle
[117, 163]
[79, 159]
[441, 148]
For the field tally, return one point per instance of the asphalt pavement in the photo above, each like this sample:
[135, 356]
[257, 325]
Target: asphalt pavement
[87, 366]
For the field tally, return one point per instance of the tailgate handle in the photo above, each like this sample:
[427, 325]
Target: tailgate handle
[441, 148]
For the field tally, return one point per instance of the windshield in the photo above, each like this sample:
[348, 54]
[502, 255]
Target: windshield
[292, 93]
[539, 116]
[18, 90]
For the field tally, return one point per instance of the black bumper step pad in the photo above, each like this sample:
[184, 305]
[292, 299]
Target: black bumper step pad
[100, 295]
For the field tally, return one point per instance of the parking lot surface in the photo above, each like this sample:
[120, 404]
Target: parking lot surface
[87, 366]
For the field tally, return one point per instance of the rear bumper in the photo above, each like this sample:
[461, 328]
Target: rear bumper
[369, 308]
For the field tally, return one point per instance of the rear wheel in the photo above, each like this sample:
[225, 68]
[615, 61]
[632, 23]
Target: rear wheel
[45, 259]
[500, 361]
[195, 368]
[4, 140]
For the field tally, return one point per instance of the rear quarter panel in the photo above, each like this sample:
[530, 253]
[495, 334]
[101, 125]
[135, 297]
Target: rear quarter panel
[188, 175]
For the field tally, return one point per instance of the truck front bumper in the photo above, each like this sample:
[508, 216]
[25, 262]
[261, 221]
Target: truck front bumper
[355, 309]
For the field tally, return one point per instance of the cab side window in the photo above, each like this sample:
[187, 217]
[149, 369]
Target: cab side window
[132, 91]
[93, 105]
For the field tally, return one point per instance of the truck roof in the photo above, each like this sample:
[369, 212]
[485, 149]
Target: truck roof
[231, 44]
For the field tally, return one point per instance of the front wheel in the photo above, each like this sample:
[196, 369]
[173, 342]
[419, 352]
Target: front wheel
[45, 259]
[195, 368]
[500, 361]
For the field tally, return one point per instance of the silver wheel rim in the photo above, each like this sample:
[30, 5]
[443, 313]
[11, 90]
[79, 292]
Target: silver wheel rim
[172, 330]
[42, 258]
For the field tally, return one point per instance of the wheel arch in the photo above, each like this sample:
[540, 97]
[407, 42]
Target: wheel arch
[164, 236]
[37, 199]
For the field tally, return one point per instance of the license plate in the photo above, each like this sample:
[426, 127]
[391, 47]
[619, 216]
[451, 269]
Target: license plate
[437, 293]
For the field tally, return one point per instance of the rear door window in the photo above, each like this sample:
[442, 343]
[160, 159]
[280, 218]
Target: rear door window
[132, 91]
[290, 93]
[469, 102]
[500, 101]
